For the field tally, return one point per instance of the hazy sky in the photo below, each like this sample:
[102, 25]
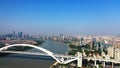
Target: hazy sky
[73, 17]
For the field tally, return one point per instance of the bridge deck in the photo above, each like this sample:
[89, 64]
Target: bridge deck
[60, 55]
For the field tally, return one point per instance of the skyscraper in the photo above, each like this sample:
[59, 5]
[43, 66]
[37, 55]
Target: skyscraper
[20, 34]
[13, 34]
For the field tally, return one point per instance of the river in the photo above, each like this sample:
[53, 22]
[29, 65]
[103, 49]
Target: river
[31, 61]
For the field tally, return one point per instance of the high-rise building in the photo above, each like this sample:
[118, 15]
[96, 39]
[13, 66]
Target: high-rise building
[114, 53]
[13, 33]
[116, 45]
[93, 43]
[81, 41]
[20, 34]
[111, 51]
[98, 45]
[117, 54]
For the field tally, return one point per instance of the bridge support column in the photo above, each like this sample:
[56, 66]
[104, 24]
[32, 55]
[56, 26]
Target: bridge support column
[104, 64]
[62, 59]
[79, 60]
[112, 65]
[95, 63]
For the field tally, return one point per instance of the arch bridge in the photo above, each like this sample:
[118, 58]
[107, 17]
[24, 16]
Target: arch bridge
[62, 59]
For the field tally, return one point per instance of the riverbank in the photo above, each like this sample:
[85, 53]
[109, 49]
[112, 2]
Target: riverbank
[52, 66]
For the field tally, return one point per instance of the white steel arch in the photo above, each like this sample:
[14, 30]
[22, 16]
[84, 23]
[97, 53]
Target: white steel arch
[33, 46]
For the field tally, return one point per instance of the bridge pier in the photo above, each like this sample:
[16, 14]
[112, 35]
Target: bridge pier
[104, 64]
[62, 59]
[112, 65]
[79, 60]
[95, 63]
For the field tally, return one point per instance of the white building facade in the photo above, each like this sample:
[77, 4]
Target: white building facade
[111, 51]
[117, 54]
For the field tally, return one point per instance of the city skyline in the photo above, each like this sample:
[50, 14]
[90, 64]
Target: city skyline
[71, 17]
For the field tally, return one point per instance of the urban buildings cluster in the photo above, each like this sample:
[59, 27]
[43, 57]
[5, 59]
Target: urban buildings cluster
[14, 35]
[114, 50]
[94, 41]
[110, 44]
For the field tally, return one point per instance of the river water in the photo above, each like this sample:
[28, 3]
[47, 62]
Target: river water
[31, 61]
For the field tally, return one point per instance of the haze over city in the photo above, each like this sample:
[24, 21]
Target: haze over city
[54, 17]
[59, 33]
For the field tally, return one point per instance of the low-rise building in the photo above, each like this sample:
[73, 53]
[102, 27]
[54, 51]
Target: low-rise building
[76, 43]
